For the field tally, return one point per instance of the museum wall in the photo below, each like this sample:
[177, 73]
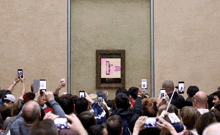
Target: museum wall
[186, 40]
[109, 25]
[33, 38]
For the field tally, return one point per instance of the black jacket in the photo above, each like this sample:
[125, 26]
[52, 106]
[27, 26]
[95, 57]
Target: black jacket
[178, 100]
[125, 115]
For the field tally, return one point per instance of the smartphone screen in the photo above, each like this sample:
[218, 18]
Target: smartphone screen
[20, 73]
[81, 94]
[61, 123]
[99, 99]
[151, 122]
[162, 93]
[144, 84]
[181, 87]
[43, 85]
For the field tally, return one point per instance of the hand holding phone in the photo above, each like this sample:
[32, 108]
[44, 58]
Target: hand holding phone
[144, 84]
[100, 99]
[81, 93]
[162, 93]
[151, 122]
[43, 85]
[61, 123]
[20, 73]
[181, 87]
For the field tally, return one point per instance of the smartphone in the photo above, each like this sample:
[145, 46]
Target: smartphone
[144, 84]
[162, 93]
[181, 87]
[81, 93]
[20, 73]
[151, 122]
[100, 99]
[173, 118]
[43, 85]
[36, 85]
[61, 123]
[63, 82]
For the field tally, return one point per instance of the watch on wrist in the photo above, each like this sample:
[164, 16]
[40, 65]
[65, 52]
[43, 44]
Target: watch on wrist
[14, 83]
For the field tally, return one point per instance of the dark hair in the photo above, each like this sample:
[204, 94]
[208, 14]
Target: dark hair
[217, 93]
[28, 96]
[96, 130]
[192, 90]
[120, 90]
[133, 91]
[35, 112]
[149, 107]
[81, 105]
[87, 119]
[32, 87]
[103, 94]
[122, 101]
[206, 119]
[210, 99]
[4, 92]
[189, 115]
[110, 103]
[44, 127]
[114, 125]
[66, 102]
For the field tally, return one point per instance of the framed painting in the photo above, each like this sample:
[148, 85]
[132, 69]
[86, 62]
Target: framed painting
[110, 69]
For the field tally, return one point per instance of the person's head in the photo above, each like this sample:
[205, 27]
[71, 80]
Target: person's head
[149, 107]
[121, 90]
[87, 119]
[103, 94]
[81, 105]
[200, 100]
[207, 119]
[97, 130]
[8, 100]
[168, 85]
[212, 129]
[114, 125]
[216, 97]
[133, 92]
[191, 91]
[31, 112]
[16, 108]
[66, 102]
[189, 116]
[122, 101]
[28, 96]
[110, 103]
[44, 127]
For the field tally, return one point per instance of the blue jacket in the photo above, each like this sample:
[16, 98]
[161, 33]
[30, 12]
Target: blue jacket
[100, 114]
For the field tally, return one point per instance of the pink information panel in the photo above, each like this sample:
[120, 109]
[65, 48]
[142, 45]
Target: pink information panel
[110, 67]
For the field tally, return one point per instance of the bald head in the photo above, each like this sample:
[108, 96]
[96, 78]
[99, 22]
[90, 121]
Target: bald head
[31, 112]
[168, 85]
[201, 97]
[212, 129]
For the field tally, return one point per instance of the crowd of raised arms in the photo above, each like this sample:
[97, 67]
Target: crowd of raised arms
[131, 112]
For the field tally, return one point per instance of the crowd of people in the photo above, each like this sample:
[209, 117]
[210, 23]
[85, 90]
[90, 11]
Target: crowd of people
[131, 112]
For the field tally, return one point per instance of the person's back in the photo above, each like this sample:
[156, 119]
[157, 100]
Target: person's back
[122, 105]
[31, 113]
